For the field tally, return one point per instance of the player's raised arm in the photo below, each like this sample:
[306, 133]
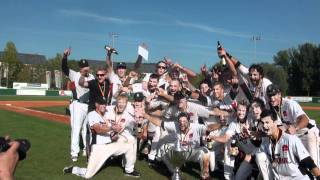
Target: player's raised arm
[64, 63]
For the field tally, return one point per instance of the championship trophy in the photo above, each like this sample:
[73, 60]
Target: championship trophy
[177, 156]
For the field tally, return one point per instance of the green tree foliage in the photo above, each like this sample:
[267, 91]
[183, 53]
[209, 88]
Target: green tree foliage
[302, 65]
[54, 63]
[25, 75]
[10, 59]
[276, 74]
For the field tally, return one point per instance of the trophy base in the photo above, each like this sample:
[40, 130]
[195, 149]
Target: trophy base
[177, 175]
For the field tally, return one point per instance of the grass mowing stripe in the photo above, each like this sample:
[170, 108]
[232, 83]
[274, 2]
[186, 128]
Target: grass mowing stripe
[49, 153]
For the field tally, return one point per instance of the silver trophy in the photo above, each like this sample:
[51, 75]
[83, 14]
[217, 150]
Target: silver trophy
[177, 156]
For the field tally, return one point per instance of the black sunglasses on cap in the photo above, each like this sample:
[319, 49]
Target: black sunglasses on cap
[100, 75]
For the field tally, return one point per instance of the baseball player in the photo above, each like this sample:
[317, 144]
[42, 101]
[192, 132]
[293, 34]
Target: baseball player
[256, 139]
[238, 126]
[295, 121]
[288, 155]
[113, 127]
[252, 82]
[189, 134]
[79, 106]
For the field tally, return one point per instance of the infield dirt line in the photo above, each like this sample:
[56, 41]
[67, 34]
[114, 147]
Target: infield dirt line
[41, 114]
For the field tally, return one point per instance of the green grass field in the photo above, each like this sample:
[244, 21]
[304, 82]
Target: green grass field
[49, 153]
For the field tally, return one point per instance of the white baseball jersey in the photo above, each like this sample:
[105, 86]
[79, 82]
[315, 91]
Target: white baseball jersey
[235, 127]
[96, 118]
[125, 119]
[259, 91]
[194, 110]
[82, 93]
[285, 156]
[224, 104]
[290, 110]
[162, 80]
[192, 137]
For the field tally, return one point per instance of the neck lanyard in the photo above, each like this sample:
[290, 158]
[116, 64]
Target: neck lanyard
[104, 89]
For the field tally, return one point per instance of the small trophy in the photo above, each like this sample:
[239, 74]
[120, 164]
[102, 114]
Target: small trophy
[177, 156]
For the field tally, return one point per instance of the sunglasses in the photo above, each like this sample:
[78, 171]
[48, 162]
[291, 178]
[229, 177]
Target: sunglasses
[162, 67]
[100, 75]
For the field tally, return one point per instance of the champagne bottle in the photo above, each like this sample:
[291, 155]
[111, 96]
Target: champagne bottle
[219, 47]
[108, 48]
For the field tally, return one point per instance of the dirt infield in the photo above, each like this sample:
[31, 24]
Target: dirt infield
[23, 108]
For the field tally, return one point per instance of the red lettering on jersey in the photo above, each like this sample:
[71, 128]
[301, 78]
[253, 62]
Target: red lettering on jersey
[190, 135]
[281, 160]
[190, 114]
[284, 113]
[285, 148]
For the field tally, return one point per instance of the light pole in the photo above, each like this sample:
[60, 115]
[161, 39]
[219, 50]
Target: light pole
[113, 35]
[255, 39]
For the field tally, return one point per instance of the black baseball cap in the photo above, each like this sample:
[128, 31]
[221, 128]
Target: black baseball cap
[138, 96]
[83, 63]
[100, 100]
[121, 65]
[272, 90]
[179, 95]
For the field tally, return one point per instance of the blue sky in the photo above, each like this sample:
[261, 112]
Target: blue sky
[185, 31]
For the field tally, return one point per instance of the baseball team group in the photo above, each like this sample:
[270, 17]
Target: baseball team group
[235, 121]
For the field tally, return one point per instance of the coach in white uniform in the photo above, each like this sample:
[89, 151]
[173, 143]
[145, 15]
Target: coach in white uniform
[286, 151]
[79, 106]
[296, 121]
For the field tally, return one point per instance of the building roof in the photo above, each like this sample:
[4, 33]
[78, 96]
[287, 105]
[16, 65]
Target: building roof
[41, 59]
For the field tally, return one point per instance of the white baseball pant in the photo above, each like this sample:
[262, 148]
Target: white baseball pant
[311, 141]
[101, 152]
[78, 120]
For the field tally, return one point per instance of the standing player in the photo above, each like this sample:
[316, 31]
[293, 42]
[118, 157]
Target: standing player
[287, 153]
[296, 121]
[79, 106]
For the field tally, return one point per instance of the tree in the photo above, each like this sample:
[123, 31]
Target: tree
[25, 75]
[276, 74]
[12, 64]
[54, 63]
[302, 66]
